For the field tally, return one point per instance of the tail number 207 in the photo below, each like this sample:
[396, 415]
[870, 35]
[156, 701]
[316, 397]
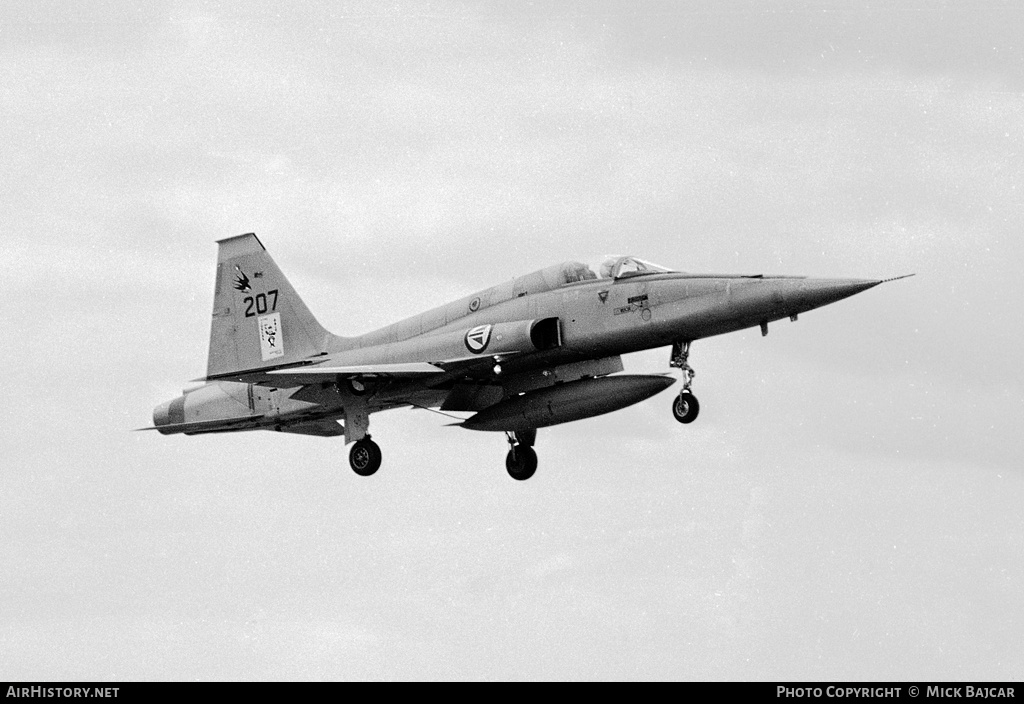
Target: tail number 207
[257, 305]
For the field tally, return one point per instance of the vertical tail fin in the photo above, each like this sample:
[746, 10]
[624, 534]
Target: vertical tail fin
[258, 319]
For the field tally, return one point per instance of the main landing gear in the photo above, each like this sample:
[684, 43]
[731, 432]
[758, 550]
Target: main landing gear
[365, 457]
[521, 461]
[685, 406]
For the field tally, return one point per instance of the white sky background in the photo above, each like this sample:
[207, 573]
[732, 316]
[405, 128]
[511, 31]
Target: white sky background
[847, 506]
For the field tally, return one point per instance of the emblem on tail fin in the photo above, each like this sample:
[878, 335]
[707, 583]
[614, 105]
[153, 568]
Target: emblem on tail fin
[242, 281]
[271, 342]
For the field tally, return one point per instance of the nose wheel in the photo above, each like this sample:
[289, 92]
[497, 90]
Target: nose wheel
[685, 406]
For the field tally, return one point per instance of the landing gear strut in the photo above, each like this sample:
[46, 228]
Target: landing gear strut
[685, 407]
[365, 457]
[521, 461]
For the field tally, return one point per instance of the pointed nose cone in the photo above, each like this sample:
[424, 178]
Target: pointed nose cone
[820, 292]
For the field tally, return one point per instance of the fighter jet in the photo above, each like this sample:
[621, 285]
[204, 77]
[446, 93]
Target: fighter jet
[543, 349]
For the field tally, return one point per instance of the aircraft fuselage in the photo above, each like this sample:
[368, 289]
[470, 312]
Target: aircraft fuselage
[603, 318]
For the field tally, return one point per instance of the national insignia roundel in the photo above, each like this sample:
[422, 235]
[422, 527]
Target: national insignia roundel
[478, 338]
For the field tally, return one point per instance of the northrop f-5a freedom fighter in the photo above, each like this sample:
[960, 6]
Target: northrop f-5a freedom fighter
[536, 351]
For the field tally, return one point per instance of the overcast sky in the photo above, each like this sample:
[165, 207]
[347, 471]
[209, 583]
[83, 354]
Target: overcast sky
[848, 505]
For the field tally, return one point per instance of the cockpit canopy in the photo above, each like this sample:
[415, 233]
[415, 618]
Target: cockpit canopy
[611, 267]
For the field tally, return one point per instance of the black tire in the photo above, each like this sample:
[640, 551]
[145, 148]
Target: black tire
[685, 407]
[365, 457]
[521, 462]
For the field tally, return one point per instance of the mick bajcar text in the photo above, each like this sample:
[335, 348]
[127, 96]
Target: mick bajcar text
[966, 691]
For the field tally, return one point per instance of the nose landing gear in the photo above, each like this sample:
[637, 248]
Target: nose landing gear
[685, 406]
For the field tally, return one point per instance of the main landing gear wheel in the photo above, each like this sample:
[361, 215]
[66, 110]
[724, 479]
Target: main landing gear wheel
[685, 408]
[365, 457]
[521, 462]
